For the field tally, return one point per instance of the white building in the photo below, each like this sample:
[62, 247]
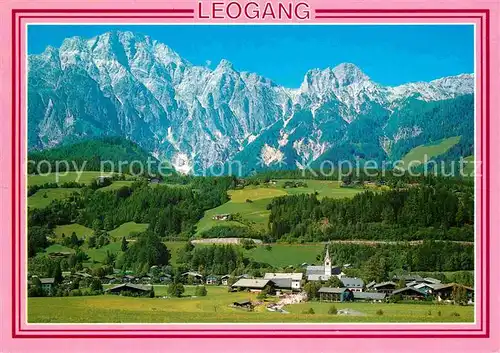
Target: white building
[323, 273]
[294, 279]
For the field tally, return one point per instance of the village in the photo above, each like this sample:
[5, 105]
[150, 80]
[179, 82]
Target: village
[317, 283]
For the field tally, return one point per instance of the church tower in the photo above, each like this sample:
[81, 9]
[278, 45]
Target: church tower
[328, 263]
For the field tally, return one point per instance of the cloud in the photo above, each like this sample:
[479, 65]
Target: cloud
[208, 62]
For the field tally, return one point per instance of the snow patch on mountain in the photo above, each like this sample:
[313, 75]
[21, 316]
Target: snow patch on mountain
[270, 155]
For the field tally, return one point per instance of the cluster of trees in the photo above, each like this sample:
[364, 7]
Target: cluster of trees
[171, 212]
[218, 259]
[419, 212]
[88, 155]
[148, 250]
[379, 262]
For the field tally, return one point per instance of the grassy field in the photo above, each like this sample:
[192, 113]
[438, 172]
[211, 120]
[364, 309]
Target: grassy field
[286, 254]
[324, 188]
[43, 197]
[98, 255]
[255, 214]
[215, 307]
[431, 150]
[58, 248]
[68, 229]
[126, 229]
[116, 185]
[63, 177]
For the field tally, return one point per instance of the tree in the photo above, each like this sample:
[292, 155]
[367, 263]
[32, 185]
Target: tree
[36, 290]
[175, 289]
[74, 240]
[401, 284]
[332, 310]
[311, 289]
[334, 282]
[459, 295]
[37, 239]
[376, 268]
[124, 244]
[96, 285]
[110, 258]
[92, 242]
[99, 272]
[247, 244]
[201, 291]
[57, 273]
[148, 251]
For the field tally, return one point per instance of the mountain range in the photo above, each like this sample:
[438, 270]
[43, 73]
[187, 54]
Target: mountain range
[129, 85]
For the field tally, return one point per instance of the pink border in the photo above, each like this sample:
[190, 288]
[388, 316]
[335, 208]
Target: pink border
[481, 16]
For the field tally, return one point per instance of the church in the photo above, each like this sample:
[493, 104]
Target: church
[323, 273]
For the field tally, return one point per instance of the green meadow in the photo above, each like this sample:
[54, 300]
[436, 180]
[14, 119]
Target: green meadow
[215, 307]
[417, 154]
[67, 229]
[116, 185]
[64, 177]
[251, 202]
[127, 229]
[281, 255]
[43, 197]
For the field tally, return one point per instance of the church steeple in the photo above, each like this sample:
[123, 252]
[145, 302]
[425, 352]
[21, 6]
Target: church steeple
[328, 263]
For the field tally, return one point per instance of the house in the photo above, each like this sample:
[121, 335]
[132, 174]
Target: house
[253, 285]
[130, 288]
[323, 273]
[426, 287]
[195, 277]
[103, 180]
[369, 296]
[385, 287]
[211, 279]
[335, 294]
[224, 280]
[445, 291]
[60, 254]
[370, 285]
[293, 280]
[165, 278]
[83, 275]
[222, 217]
[407, 278]
[107, 279]
[354, 284]
[410, 293]
[128, 278]
[47, 284]
[431, 280]
[244, 304]
[412, 283]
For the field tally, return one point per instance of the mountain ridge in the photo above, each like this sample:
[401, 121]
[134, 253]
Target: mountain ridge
[127, 84]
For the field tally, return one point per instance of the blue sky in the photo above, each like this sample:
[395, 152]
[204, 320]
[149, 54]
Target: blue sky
[389, 54]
